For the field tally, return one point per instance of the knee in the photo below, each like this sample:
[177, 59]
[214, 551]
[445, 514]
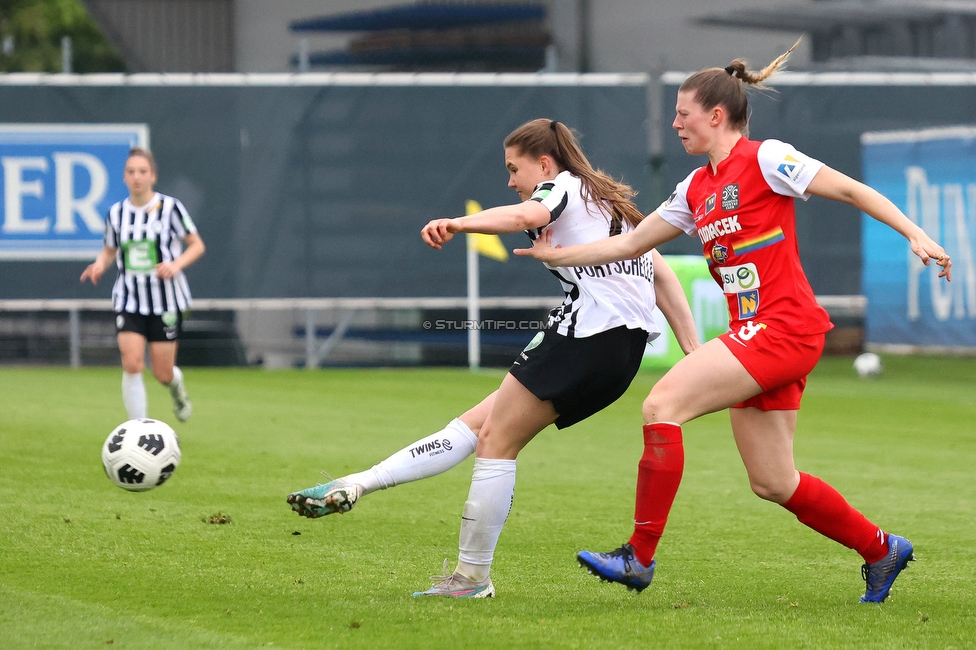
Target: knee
[772, 490]
[132, 364]
[655, 408]
[493, 445]
[487, 446]
[163, 375]
[474, 423]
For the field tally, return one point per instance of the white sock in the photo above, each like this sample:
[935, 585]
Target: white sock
[485, 511]
[134, 395]
[424, 458]
[176, 387]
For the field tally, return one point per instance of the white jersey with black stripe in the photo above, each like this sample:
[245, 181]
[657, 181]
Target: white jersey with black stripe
[143, 237]
[598, 298]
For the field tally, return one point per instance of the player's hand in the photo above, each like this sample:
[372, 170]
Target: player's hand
[439, 231]
[92, 272]
[166, 270]
[927, 250]
[542, 248]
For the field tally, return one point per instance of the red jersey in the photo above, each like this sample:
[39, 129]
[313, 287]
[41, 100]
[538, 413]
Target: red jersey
[743, 214]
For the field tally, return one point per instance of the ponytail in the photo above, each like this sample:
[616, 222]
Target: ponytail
[544, 137]
[725, 87]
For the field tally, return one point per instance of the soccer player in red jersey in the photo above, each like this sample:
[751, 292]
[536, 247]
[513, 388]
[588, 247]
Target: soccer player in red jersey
[741, 206]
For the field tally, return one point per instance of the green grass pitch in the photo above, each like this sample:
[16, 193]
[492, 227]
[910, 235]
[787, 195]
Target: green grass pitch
[84, 564]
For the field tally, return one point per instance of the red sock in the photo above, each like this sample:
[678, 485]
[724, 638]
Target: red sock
[823, 509]
[658, 477]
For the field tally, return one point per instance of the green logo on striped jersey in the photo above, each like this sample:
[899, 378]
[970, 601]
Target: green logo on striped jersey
[139, 256]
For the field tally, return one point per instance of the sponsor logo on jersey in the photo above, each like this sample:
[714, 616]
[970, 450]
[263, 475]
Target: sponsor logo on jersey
[720, 253]
[730, 197]
[739, 278]
[748, 302]
[742, 281]
[719, 227]
[791, 168]
[139, 256]
[709, 204]
[671, 198]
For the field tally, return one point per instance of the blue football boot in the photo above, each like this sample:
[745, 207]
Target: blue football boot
[618, 566]
[880, 575]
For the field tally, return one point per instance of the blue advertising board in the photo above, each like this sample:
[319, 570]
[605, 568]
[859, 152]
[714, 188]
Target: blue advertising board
[58, 182]
[931, 176]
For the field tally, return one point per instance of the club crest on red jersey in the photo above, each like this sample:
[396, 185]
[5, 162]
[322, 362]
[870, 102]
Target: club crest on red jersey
[709, 204]
[720, 253]
[730, 197]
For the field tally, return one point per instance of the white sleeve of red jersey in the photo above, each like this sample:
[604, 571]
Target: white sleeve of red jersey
[786, 170]
[676, 211]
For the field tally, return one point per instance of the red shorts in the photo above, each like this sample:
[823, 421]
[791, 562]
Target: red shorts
[779, 362]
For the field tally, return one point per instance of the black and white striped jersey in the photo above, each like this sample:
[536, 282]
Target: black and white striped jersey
[598, 298]
[144, 237]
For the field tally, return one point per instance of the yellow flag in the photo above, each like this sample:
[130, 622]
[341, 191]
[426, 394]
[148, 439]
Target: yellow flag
[487, 245]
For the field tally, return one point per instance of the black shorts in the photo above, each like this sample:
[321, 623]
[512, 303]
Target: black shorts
[580, 375]
[166, 327]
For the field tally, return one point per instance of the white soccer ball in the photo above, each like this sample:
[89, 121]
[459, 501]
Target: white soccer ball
[868, 364]
[141, 454]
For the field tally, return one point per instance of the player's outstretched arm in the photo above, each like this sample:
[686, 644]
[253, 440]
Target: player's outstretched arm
[493, 221]
[832, 184]
[650, 233]
[507, 218]
[674, 304]
[95, 270]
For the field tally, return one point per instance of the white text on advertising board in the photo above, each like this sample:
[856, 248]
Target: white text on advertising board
[948, 213]
[30, 178]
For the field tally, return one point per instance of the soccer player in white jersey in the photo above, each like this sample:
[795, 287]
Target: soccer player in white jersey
[144, 236]
[582, 362]
[740, 205]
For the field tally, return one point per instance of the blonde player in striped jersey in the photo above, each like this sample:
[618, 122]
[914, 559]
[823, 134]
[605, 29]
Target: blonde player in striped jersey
[143, 236]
